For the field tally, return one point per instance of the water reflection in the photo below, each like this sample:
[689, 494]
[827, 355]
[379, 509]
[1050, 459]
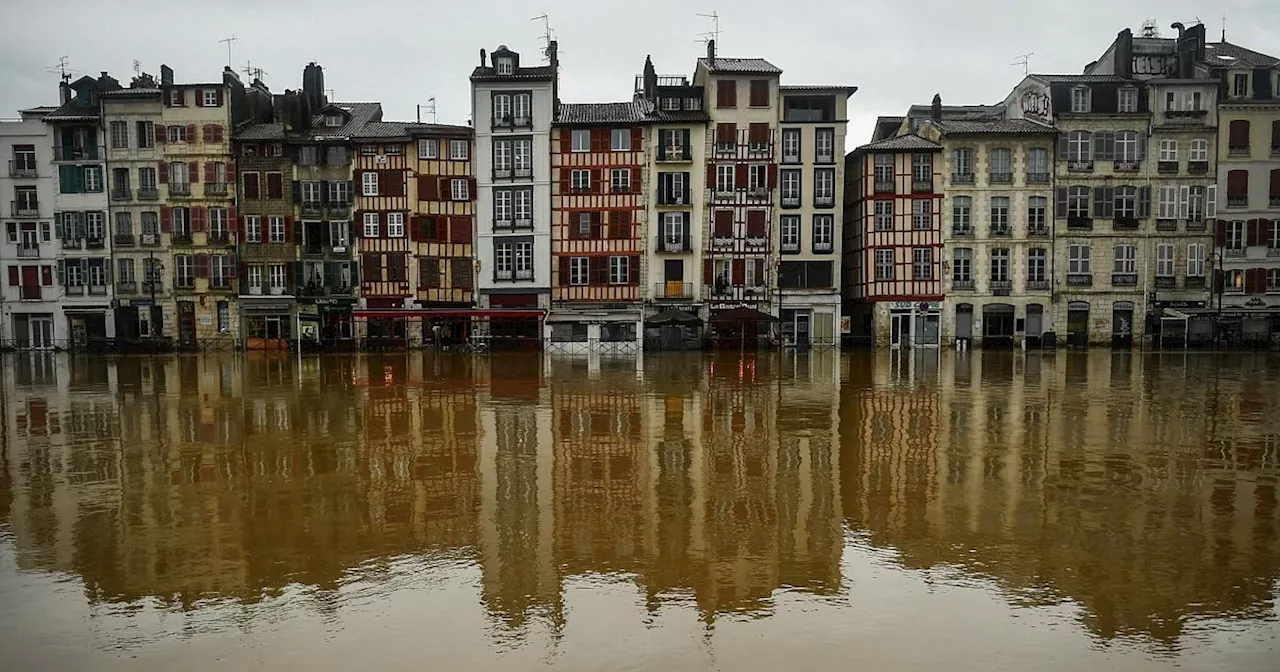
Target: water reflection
[1140, 488]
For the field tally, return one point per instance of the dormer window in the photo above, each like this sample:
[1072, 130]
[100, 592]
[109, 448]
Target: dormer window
[671, 104]
[1128, 100]
[693, 104]
[505, 66]
[1240, 85]
[1081, 100]
[333, 120]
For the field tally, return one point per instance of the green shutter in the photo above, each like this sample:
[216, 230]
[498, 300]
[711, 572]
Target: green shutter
[58, 227]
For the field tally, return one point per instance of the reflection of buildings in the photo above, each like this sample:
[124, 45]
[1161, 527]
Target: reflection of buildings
[1103, 478]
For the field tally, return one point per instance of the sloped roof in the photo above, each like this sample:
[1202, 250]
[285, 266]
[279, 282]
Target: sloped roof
[439, 129]
[1082, 79]
[992, 127]
[537, 73]
[382, 130]
[740, 65]
[360, 114]
[901, 143]
[1226, 54]
[271, 131]
[601, 113]
[834, 88]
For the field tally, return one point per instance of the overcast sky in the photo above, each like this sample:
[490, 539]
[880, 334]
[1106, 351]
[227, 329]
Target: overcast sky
[404, 52]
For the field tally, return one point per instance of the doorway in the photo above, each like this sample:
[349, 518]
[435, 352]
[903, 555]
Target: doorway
[900, 330]
[186, 324]
[1122, 324]
[1035, 324]
[801, 333]
[673, 272]
[1078, 324]
[997, 325]
[964, 322]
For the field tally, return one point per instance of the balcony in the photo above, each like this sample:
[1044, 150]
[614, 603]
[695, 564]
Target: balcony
[1273, 251]
[758, 193]
[179, 188]
[824, 201]
[789, 246]
[1038, 231]
[1124, 224]
[676, 245]
[885, 187]
[1166, 225]
[74, 290]
[1001, 287]
[30, 293]
[1125, 166]
[962, 284]
[1037, 285]
[28, 251]
[521, 122]
[823, 247]
[28, 208]
[1001, 231]
[216, 282]
[338, 208]
[503, 274]
[672, 290]
[1187, 117]
[94, 243]
[22, 169]
[678, 155]
[1166, 282]
[1124, 279]
[523, 171]
[311, 207]
[1238, 150]
[1234, 251]
[1079, 279]
[1080, 223]
[524, 274]
[1197, 225]
[1167, 167]
[720, 242]
[1079, 166]
[215, 189]
[75, 153]
[185, 282]
[790, 200]
[1237, 201]
[150, 239]
[122, 240]
[219, 238]
[1233, 289]
[962, 231]
[145, 194]
[319, 291]
[121, 194]
[522, 223]
[501, 173]
[922, 186]
[1193, 282]
[962, 178]
[126, 287]
[1197, 167]
[1000, 178]
[1037, 178]
[1274, 201]
[181, 238]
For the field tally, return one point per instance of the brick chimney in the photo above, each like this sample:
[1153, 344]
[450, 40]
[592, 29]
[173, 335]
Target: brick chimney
[711, 52]
[936, 112]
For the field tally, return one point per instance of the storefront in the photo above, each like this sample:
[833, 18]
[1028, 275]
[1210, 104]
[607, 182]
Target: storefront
[268, 323]
[334, 326]
[1122, 324]
[1178, 324]
[86, 326]
[480, 324]
[915, 324]
[1078, 324]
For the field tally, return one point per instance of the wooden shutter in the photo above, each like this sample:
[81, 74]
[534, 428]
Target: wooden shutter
[566, 140]
[739, 271]
[1238, 133]
[637, 139]
[708, 272]
[217, 131]
[199, 219]
[166, 222]
[1220, 233]
[725, 133]
[191, 133]
[633, 270]
[723, 227]
[161, 134]
[1251, 232]
[460, 230]
[1104, 144]
[772, 171]
[564, 271]
[202, 265]
[471, 188]
[14, 278]
[1238, 184]
[162, 172]
[598, 270]
[199, 97]
[288, 229]
[711, 176]
[756, 225]
[727, 93]
[231, 172]
[740, 176]
[415, 228]
[428, 188]
[759, 263]
[1144, 202]
[252, 188]
[193, 172]
[758, 133]
[233, 222]
[219, 93]
[1264, 232]
[596, 226]
[759, 93]
[1063, 145]
[210, 172]
[1275, 182]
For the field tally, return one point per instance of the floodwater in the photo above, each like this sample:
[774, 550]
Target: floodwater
[984, 511]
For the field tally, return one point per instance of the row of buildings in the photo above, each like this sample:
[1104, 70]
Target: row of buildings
[219, 215]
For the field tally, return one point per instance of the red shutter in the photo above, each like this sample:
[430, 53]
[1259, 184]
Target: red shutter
[219, 93]
[773, 176]
[1275, 178]
[727, 93]
[758, 133]
[210, 173]
[1220, 233]
[637, 139]
[460, 230]
[206, 133]
[566, 140]
[429, 186]
[199, 219]
[193, 172]
[423, 186]
[739, 271]
[162, 172]
[217, 131]
[725, 134]
[1237, 184]
[231, 172]
[564, 181]
[1251, 232]
[633, 266]
[1238, 135]
[564, 272]
[711, 176]
[596, 226]
[14, 279]
[46, 276]
[708, 272]
[759, 93]
[723, 224]
[471, 188]
[161, 136]
[199, 97]
[740, 176]
[756, 223]
[600, 140]
[288, 229]
[166, 223]
[233, 222]
[415, 228]
[202, 265]
[191, 132]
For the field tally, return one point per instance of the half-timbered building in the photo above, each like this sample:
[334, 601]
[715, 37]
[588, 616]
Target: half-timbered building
[382, 211]
[598, 220]
[441, 229]
[893, 218]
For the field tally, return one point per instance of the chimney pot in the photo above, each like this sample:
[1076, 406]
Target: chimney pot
[711, 51]
[482, 59]
[936, 112]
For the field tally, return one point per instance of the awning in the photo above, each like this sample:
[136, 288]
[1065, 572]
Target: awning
[673, 316]
[1171, 314]
[448, 314]
[592, 317]
[742, 315]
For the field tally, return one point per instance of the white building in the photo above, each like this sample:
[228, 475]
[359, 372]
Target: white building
[29, 249]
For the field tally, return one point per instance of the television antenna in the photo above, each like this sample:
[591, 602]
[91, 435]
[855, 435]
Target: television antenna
[431, 107]
[62, 70]
[253, 72]
[1025, 61]
[547, 36]
[228, 41]
[714, 33]
[137, 68]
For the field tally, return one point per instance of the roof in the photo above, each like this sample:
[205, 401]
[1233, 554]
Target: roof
[992, 127]
[836, 88]
[959, 112]
[740, 65]
[1225, 54]
[602, 113]
[541, 72]
[901, 143]
[886, 126]
[1082, 79]
[382, 130]
[261, 131]
[438, 129]
[360, 115]
[131, 93]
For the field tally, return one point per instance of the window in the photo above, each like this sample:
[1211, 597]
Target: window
[1196, 257]
[999, 215]
[146, 134]
[339, 192]
[311, 191]
[183, 270]
[583, 228]
[147, 179]
[24, 158]
[726, 93]
[759, 93]
[789, 226]
[1240, 85]
[580, 180]
[1197, 198]
[524, 207]
[1237, 188]
[395, 225]
[277, 149]
[150, 223]
[962, 167]
[504, 66]
[210, 97]
[1037, 214]
[620, 139]
[458, 150]
[119, 135]
[724, 178]
[824, 186]
[1078, 202]
[1078, 259]
[823, 233]
[369, 183]
[524, 156]
[1199, 150]
[962, 265]
[922, 168]
[275, 229]
[1238, 138]
[371, 225]
[1126, 203]
[218, 222]
[1038, 162]
[309, 155]
[502, 200]
[1001, 165]
[276, 275]
[428, 148]
[884, 170]
[1079, 146]
[619, 270]
[1168, 150]
[92, 179]
[790, 187]
[177, 174]
[524, 260]
[999, 264]
[884, 264]
[501, 158]
[176, 133]
[578, 273]
[673, 229]
[621, 182]
[1164, 261]
[1235, 235]
[252, 187]
[670, 104]
[921, 214]
[1126, 260]
[1273, 239]
[581, 140]
[962, 215]
[1037, 264]
[922, 263]
[124, 226]
[368, 150]
[125, 274]
[824, 141]
[501, 109]
[1128, 100]
[1167, 202]
[338, 234]
[1127, 147]
[884, 215]
[1273, 280]
[523, 105]
[1081, 101]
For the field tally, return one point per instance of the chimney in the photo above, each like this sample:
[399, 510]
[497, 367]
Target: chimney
[482, 59]
[1124, 54]
[313, 86]
[936, 112]
[553, 56]
[711, 52]
[64, 92]
[650, 79]
[166, 75]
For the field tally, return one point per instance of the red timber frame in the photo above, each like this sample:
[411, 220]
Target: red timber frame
[904, 238]
[739, 227]
[614, 218]
[441, 230]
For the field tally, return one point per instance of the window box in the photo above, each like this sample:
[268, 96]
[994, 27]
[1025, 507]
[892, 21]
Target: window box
[1166, 225]
[1234, 251]
[1080, 223]
[1124, 279]
[1001, 231]
[1124, 224]
[179, 189]
[1038, 231]
[790, 201]
[1193, 282]
[1000, 178]
[962, 178]
[1037, 178]
[884, 187]
[962, 285]
[790, 246]
[820, 248]
[522, 172]
[1080, 166]
[1238, 151]
[1001, 287]
[1237, 201]
[962, 231]
[215, 189]
[121, 194]
[828, 201]
[122, 240]
[1197, 225]
[1166, 282]
[312, 207]
[1125, 166]
[922, 186]
[1167, 167]
[1037, 285]
[1273, 251]
[1079, 279]
[148, 194]
[1197, 167]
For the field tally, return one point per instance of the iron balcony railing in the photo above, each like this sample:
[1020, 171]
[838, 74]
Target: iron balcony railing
[28, 208]
[22, 169]
[673, 289]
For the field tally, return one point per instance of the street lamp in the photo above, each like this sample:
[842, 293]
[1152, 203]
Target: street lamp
[1215, 261]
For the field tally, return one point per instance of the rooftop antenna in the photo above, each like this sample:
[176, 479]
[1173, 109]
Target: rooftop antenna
[431, 107]
[329, 94]
[228, 41]
[547, 34]
[62, 70]
[714, 34]
[1224, 27]
[255, 73]
[137, 68]
[1025, 61]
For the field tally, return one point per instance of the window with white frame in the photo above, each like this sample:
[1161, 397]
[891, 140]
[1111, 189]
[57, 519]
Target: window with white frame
[311, 191]
[621, 180]
[1273, 280]
[1164, 260]
[275, 229]
[369, 183]
[1128, 99]
[339, 192]
[579, 270]
[458, 150]
[218, 222]
[1168, 149]
[177, 174]
[524, 207]
[1038, 161]
[1081, 100]
[922, 263]
[1078, 258]
[459, 190]
[210, 97]
[338, 232]
[749, 276]
[255, 276]
[1079, 146]
[125, 271]
[1199, 150]
[999, 264]
[757, 177]
[884, 215]
[95, 225]
[523, 105]
[150, 223]
[620, 139]
[124, 225]
[884, 169]
[1196, 198]
[502, 207]
[74, 277]
[395, 225]
[791, 187]
[824, 185]
[503, 260]
[371, 225]
[1037, 214]
[1235, 235]
[724, 178]
[175, 133]
[962, 215]
[824, 140]
[999, 215]
[1078, 202]
[276, 276]
[789, 226]
[922, 167]
[790, 145]
[583, 225]
[523, 155]
[119, 135]
[1167, 202]
[580, 180]
[823, 233]
[962, 163]
[220, 270]
[922, 214]
[884, 264]
[962, 265]
[146, 179]
[1127, 146]
[1037, 264]
[1126, 202]
[673, 228]
[524, 260]
[1126, 259]
[1001, 164]
[581, 140]
[252, 229]
[501, 109]
[504, 66]
[146, 131]
[619, 270]
[501, 158]
[428, 148]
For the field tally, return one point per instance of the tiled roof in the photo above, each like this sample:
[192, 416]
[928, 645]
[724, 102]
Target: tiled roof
[272, 131]
[126, 93]
[438, 129]
[73, 111]
[901, 143]
[1225, 54]
[740, 65]
[601, 113]
[958, 112]
[382, 130]
[361, 114]
[999, 126]
[541, 72]
[672, 116]
[1081, 79]
[799, 88]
